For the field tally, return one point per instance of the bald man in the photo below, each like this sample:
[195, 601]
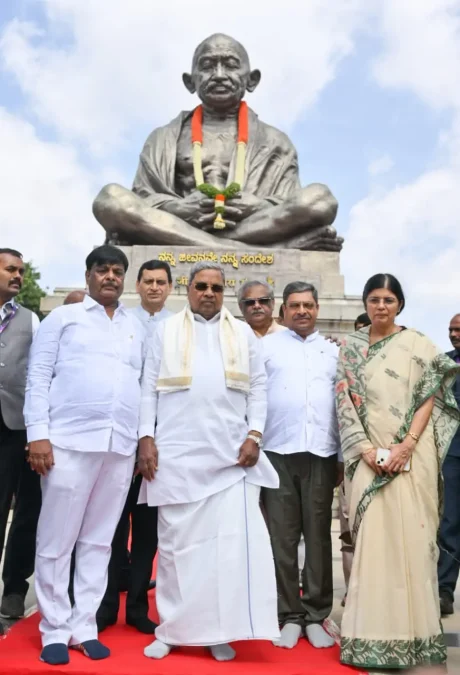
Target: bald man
[449, 533]
[74, 296]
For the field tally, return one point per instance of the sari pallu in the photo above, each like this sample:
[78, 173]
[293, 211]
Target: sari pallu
[391, 618]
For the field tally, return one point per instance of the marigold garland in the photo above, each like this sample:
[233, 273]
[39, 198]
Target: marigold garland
[234, 188]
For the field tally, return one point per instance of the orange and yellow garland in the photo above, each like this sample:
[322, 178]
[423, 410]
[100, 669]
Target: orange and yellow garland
[218, 195]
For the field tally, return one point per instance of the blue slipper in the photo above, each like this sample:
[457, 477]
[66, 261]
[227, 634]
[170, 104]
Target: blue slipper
[55, 655]
[93, 649]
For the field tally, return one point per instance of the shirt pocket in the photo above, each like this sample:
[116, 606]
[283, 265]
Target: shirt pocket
[133, 350]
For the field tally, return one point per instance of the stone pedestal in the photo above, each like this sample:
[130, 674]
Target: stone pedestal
[275, 266]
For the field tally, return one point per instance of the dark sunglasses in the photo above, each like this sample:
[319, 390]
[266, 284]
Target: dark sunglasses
[250, 302]
[203, 286]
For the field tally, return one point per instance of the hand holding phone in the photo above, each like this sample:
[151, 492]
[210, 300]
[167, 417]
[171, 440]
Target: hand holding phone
[383, 454]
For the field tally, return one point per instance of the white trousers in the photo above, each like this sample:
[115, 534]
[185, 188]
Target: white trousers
[82, 499]
[216, 576]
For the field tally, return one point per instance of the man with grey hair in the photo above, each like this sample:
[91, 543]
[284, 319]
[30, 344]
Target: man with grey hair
[301, 440]
[256, 301]
[203, 468]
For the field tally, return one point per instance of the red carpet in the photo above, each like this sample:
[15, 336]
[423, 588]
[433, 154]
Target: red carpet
[20, 649]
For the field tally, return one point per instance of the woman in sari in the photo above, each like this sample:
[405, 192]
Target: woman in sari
[393, 392]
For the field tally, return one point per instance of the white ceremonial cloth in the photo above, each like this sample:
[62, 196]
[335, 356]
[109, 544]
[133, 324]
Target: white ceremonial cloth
[301, 413]
[200, 430]
[83, 383]
[216, 575]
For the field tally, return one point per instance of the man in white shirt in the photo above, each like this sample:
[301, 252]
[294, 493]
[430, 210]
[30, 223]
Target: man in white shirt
[18, 326]
[256, 301]
[154, 284]
[81, 413]
[204, 403]
[132, 570]
[301, 440]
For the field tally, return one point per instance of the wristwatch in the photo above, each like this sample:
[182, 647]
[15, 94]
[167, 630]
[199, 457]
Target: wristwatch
[256, 439]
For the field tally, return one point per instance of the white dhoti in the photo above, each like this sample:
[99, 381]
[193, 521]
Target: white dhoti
[216, 575]
[82, 499]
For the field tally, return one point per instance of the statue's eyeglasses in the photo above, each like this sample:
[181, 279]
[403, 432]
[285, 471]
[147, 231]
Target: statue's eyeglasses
[250, 302]
[203, 286]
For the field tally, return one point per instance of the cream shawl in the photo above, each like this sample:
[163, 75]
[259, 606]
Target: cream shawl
[178, 348]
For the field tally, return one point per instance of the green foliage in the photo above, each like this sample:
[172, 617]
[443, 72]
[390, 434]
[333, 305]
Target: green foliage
[31, 292]
[212, 192]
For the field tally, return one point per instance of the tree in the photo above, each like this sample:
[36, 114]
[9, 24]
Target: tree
[31, 292]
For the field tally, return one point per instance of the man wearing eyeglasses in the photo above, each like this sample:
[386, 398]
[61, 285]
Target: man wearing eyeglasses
[202, 415]
[257, 302]
[301, 440]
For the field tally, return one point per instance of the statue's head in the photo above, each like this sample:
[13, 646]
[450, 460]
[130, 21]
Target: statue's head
[221, 73]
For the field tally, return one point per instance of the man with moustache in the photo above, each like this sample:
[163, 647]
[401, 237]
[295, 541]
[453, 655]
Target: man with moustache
[18, 326]
[449, 533]
[256, 301]
[202, 414]
[301, 440]
[154, 284]
[81, 413]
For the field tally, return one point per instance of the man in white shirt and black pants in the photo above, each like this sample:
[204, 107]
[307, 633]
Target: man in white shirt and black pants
[18, 325]
[154, 284]
[81, 413]
[301, 440]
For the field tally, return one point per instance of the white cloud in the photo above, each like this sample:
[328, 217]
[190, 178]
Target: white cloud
[44, 196]
[381, 165]
[412, 230]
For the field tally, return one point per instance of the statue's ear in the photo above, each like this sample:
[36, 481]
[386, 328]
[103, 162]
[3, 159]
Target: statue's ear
[254, 79]
[187, 80]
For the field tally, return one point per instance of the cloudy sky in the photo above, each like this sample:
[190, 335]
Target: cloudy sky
[368, 90]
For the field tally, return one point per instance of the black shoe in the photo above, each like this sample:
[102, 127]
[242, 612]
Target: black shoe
[12, 606]
[143, 624]
[446, 605]
[104, 622]
[93, 649]
[55, 654]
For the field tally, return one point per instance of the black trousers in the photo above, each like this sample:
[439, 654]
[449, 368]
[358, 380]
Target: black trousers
[18, 479]
[144, 542]
[302, 505]
[449, 533]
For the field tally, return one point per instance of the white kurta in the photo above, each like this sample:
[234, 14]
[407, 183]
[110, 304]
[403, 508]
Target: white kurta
[216, 577]
[200, 430]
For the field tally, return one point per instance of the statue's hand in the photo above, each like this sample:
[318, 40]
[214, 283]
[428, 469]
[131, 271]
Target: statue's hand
[190, 208]
[246, 204]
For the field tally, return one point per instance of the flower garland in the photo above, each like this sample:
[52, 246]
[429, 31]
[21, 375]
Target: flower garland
[210, 191]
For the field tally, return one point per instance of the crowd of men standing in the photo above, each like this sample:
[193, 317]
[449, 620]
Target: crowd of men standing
[102, 388]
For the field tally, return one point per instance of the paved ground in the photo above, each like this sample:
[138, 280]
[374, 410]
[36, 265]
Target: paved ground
[451, 625]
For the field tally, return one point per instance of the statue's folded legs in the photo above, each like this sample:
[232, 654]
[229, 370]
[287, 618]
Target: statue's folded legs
[302, 221]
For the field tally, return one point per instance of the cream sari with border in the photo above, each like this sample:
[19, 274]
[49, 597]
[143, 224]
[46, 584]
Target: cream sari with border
[391, 618]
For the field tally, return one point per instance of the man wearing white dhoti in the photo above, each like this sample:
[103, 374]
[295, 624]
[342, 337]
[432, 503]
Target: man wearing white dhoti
[81, 413]
[204, 386]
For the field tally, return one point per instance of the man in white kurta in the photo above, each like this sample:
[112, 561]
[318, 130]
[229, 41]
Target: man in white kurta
[204, 387]
[81, 413]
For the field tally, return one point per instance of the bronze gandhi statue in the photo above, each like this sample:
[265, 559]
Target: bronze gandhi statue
[218, 176]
